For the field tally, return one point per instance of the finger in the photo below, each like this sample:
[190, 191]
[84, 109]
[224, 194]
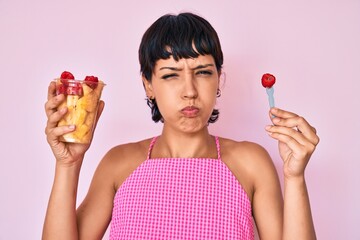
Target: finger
[51, 90]
[99, 112]
[300, 124]
[55, 117]
[298, 144]
[53, 103]
[296, 121]
[288, 132]
[52, 124]
[296, 141]
[53, 134]
[277, 112]
[298, 150]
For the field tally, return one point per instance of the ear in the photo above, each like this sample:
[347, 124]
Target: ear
[148, 87]
[222, 79]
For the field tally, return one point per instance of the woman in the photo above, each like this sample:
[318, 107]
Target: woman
[184, 183]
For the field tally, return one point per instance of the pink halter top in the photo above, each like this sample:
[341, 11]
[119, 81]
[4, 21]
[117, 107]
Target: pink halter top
[181, 198]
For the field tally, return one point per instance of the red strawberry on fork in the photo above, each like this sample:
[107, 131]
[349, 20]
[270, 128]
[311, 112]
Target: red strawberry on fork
[268, 80]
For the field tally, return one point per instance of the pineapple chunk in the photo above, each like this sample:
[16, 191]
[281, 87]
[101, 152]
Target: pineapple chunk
[79, 116]
[81, 132]
[88, 102]
[86, 89]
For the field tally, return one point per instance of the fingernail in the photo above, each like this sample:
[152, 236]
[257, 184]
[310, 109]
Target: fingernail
[276, 120]
[268, 127]
[72, 127]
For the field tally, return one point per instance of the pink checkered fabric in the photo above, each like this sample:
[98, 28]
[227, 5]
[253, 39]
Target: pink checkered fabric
[181, 198]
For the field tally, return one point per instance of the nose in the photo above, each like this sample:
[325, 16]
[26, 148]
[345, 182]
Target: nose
[190, 88]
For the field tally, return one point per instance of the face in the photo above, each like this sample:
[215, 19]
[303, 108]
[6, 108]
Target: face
[185, 91]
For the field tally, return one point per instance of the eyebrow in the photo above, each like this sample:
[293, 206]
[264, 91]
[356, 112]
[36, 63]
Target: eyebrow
[195, 68]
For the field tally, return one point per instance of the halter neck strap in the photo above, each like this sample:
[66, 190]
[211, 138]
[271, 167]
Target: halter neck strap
[218, 147]
[152, 143]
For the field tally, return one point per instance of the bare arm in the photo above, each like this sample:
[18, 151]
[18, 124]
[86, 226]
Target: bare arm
[254, 169]
[94, 213]
[60, 221]
[267, 201]
[297, 141]
[92, 218]
[298, 223]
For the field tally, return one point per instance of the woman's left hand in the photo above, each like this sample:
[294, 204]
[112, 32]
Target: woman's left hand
[297, 140]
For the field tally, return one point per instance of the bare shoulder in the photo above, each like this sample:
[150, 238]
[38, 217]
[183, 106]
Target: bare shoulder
[250, 153]
[249, 162]
[123, 159]
[132, 150]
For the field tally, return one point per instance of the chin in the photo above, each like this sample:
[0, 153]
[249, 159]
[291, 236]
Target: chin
[193, 125]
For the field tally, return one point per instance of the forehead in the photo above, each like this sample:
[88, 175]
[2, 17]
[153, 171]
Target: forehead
[184, 62]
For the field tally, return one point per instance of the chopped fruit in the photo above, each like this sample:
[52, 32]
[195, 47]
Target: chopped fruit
[86, 100]
[80, 116]
[74, 88]
[82, 98]
[268, 80]
[86, 89]
[91, 81]
[66, 75]
[83, 132]
[71, 101]
[61, 89]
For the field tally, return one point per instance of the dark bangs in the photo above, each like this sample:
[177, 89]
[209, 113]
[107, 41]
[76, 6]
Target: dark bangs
[177, 35]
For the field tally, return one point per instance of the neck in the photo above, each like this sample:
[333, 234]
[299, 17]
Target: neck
[185, 145]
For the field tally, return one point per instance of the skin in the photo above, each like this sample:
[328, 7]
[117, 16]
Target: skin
[175, 86]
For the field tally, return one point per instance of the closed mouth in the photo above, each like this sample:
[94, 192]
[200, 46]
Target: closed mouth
[190, 111]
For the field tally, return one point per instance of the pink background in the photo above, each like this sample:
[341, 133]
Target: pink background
[311, 46]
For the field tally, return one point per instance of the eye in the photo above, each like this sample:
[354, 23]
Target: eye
[168, 76]
[204, 72]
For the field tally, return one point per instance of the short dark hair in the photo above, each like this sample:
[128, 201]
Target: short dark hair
[174, 35]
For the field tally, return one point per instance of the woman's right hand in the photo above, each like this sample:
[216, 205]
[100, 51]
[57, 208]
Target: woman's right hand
[65, 153]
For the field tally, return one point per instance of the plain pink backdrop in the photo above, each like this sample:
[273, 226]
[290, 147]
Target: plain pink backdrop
[311, 46]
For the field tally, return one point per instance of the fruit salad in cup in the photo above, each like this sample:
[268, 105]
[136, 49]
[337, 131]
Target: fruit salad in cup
[82, 100]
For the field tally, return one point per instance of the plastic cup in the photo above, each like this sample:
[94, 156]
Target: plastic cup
[82, 100]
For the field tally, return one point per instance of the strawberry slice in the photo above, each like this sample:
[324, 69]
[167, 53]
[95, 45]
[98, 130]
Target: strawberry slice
[66, 75]
[91, 81]
[61, 89]
[74, 88]
[268, 80]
